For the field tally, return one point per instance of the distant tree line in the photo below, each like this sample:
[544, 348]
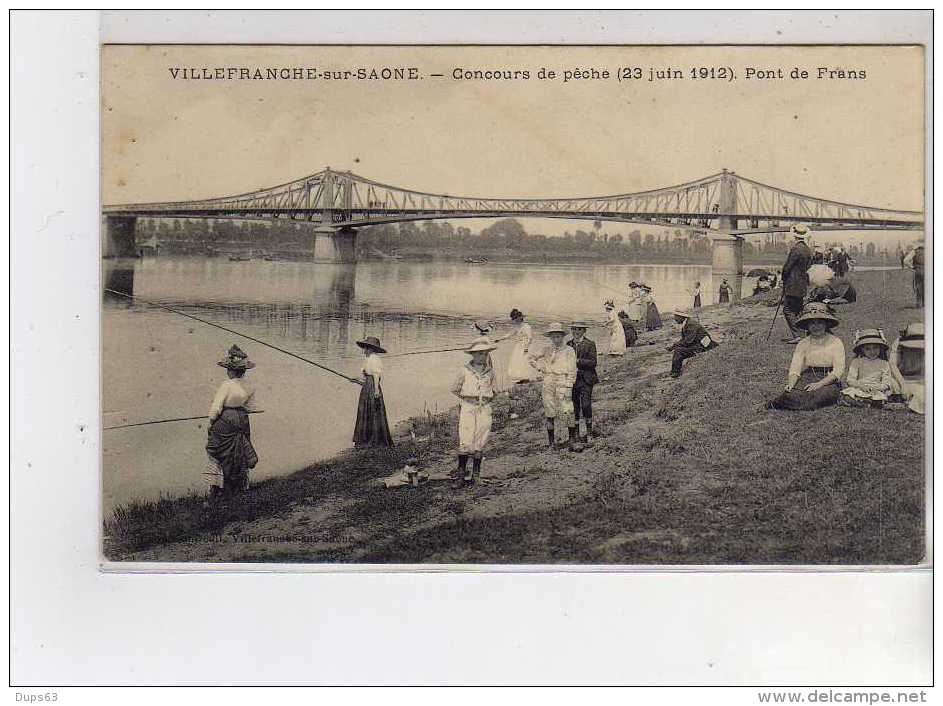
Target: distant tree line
[507, 234]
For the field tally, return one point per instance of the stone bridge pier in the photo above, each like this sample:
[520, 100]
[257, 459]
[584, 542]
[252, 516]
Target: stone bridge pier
[335, 244]
[727, 264]
[119, 236]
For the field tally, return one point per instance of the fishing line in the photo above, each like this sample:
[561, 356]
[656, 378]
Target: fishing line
[237, 333]
[164, 421]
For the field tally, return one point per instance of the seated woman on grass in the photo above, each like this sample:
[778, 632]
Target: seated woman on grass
[869, 381]
[818, 363]
[906, 359]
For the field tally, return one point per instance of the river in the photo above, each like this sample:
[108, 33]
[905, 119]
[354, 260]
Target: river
[158, 365]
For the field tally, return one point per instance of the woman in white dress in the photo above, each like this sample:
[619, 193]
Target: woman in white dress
[519, 368]
[616, 332]
[634, 305]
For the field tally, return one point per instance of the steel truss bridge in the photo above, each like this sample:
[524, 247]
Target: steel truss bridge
[724, 202]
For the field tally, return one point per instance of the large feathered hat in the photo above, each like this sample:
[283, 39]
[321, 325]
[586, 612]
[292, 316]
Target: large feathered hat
[236, 359]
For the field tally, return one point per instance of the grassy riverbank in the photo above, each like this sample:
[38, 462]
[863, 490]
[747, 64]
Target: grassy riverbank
[689, 471]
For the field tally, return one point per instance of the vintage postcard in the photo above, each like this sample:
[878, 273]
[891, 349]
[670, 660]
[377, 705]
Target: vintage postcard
[514, 305]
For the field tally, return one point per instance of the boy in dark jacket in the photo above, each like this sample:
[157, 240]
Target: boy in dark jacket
[694, 339]
[585, 376]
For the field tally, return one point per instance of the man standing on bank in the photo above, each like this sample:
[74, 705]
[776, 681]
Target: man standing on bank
[914, 260]
[586, 377]
[796, 280]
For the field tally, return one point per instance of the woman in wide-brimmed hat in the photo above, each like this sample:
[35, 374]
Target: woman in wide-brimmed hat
[907, 360]
[475, 388]
[228, 443]
[818, 363]
[649, 309]
[633, 306]
[869, 381]
[371, 427]
[616, 332]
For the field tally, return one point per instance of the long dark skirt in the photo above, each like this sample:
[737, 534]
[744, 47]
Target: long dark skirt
[652, 318]
[798, 399]
[697, 301]
[724, 297]
[631, 335]
[229, 444]
[371, 428]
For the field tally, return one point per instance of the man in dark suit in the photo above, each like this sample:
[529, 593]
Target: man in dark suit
[915, 261]
[585, 376]
[796, 279]
[694, 339]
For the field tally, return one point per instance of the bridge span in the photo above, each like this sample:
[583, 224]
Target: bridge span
[726, 205]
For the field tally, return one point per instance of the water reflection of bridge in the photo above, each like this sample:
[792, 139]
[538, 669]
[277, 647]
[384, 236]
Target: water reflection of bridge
[327, 325]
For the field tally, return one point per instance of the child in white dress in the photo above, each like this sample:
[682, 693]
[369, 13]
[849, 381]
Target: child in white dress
[869, 381]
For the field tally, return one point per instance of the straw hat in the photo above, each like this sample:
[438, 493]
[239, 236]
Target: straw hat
[800, 230]
[555, 327]
[481, 344]
[516, 314]
[633, 285]
[815, 311]
[682, 313]
[236, 359]
[579, 324]
[869, 335]
[912, 336]
[372, 343]
[483, 327]
[609, 304]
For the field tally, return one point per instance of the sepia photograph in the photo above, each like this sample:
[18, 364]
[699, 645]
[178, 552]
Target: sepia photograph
[468, 306]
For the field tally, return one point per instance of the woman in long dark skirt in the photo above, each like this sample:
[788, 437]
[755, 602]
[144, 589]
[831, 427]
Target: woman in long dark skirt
[652, 317]
[229, 442]
[631, 335]
[372, 428]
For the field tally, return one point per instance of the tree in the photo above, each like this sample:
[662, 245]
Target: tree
[508, 232]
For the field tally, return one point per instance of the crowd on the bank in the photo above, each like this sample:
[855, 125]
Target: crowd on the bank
[813, 284]
[879, 372]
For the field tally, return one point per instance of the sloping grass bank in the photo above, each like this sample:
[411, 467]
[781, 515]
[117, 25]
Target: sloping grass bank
[690, 471]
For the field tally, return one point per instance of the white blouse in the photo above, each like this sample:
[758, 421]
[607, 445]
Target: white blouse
[372, 365]
[825, 352]
[235, 392]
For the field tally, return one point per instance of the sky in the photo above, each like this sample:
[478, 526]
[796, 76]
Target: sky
[858, 141]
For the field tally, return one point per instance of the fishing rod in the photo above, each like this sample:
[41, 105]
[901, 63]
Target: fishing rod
[237, 333]
[164, 421]
[438, 350]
